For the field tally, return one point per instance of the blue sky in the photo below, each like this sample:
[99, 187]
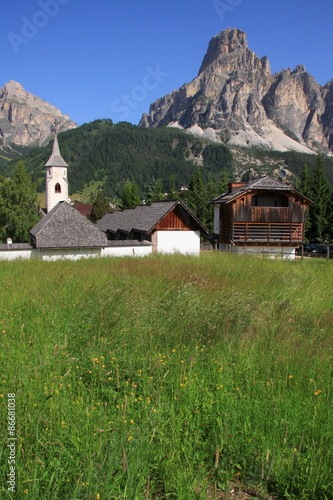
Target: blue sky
[112, 58]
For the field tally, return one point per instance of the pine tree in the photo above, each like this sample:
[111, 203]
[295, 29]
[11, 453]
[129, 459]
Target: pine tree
[223, 184]
[330, 219]
[321, 195]
[100, 207]
[172, 194]
[19, 210]
[154, 191]
[197, 197]
[130, 195]
[304, 186]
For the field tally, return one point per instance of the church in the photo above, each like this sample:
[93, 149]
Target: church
[64, 233]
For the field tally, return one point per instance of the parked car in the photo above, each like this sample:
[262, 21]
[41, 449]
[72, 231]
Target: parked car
[321, 249]
[307, 248]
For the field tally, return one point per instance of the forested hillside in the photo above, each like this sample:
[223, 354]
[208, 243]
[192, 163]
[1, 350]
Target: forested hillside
[110, 154]
[105, 155]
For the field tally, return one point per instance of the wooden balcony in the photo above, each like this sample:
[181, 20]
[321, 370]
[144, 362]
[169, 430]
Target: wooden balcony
[269, 232]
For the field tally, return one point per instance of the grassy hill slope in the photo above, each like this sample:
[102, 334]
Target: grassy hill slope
[169, 377]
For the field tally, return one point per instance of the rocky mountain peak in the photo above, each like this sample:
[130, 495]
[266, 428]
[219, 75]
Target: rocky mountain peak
[13, 87]
[300, 68]
[25, 119]
[229, 40]
[236, 99]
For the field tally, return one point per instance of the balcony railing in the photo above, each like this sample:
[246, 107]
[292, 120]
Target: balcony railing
[262, 232]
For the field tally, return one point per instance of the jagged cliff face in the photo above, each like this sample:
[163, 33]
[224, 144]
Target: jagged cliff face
[26, 119]
[236, 99]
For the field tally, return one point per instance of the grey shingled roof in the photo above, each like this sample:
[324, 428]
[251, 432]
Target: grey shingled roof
[65, 227]
[56, 160]
[266, 183]
[128, 243]
[15, 246]
[142, 218]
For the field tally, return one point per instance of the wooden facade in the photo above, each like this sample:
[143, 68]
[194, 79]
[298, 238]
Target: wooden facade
[177, 219]
[262, 212]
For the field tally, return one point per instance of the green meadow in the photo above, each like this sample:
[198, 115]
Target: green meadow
[171, 378]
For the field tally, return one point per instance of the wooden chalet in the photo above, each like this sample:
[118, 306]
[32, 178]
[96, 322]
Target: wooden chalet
[263, 212]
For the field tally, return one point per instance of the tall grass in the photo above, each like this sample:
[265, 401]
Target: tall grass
[168, 377]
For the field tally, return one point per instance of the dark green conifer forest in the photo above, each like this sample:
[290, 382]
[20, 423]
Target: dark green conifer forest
[111, 154]
[127, 164]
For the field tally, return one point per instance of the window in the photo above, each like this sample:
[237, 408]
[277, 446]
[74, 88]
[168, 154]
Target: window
[57, 188]
[269, 200]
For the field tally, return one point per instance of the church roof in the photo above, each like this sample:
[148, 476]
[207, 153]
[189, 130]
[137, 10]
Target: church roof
[143, 218]
[65, 227]
[56, 160]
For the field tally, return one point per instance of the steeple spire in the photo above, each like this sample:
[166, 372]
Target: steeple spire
[56, 160]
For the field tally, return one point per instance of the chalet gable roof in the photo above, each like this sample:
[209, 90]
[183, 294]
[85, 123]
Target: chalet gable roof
[265, 183]
[143, 218]
[65, 227]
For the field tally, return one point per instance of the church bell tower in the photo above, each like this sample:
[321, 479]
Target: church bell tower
[56, 188]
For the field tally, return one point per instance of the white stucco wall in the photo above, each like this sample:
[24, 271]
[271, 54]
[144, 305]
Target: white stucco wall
[70, 254]
[130, 251]
[15, 254]
[185, 242]
[76, 253]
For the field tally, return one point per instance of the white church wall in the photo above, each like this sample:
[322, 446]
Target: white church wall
[15, 254]
[127, 251]
[65, 254]
[75, 253]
